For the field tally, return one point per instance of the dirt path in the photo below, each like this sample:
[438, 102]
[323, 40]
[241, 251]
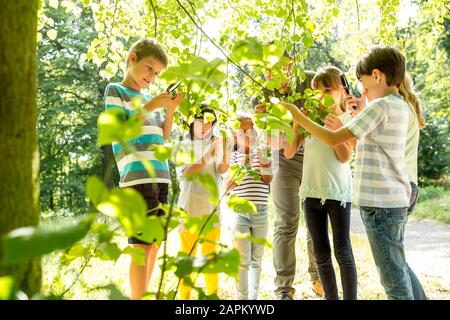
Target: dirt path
[427, 251]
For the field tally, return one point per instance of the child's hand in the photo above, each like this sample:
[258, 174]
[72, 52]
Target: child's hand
[304, 111]
[296, 125]
[355, 105]
[264, 162]
[260, 108]
[174, 103]
[245, 159]
[332, 122]
[159, 101]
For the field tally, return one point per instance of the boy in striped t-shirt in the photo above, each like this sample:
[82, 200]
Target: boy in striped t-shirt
[145, 61]
[256, 191]
[381, 184]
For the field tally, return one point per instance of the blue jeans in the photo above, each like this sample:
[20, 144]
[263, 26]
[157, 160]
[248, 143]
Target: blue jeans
[385, 229]
[251, 253]
[418, 292]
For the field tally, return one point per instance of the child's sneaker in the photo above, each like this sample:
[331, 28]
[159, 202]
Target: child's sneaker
[317, 288]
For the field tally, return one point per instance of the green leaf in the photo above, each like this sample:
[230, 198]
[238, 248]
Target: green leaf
[136, 254]
[76, 251]
[328, 101]
[128, 207]
[109, 251]
[114, 127]
[23, 244]
[223, 262]
[162, 153]
[208, 182]
[240, 205]
[96, 190]
[195, 224]
[184, 265]
[114, 292]
[152, 230]
[296, 38]
[308, 40]
[8, 289]
[248, 51]
[208, 117]
[273, 52]
[103, 232]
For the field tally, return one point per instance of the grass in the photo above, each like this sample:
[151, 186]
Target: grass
[102, 273]
[434, 203]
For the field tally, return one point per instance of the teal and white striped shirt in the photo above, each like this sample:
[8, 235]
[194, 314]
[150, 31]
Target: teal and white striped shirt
[130, 166]
[380, 179]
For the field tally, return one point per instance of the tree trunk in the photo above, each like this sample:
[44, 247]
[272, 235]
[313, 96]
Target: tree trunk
[19, 166]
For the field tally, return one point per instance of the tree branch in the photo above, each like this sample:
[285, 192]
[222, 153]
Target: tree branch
[285, 22]
[293, 31]
[218, 47]
[156, 18]
[198, 31]
[357, 13]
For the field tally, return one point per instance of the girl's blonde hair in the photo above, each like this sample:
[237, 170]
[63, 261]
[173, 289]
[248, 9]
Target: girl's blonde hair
[406, 90]
[329, 77]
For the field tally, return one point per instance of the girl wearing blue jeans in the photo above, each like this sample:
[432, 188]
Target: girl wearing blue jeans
[256, 191]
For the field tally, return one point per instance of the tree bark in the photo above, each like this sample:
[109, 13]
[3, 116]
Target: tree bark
[19, 165]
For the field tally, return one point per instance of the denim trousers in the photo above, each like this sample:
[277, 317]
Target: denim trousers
[385, 229]
[251, 253]
[317, 214]
[418, 292]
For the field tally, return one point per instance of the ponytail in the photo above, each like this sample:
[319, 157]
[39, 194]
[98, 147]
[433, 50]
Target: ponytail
[406, 90]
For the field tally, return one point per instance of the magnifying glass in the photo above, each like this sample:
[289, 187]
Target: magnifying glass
[172, 87]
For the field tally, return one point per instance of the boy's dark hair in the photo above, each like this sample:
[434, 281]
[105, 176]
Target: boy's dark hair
[388, 60]
[204, 108]
[148, 47]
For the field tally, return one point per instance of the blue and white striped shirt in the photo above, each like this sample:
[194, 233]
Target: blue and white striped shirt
[130, 165]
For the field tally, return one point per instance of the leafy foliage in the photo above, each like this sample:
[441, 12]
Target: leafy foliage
[82, 47]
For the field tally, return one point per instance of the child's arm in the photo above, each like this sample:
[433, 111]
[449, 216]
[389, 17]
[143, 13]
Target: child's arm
[195, 167]
[170, 111]
[266, 178]
[343, 151]
[229, 184]
[265, 165]
[162, 100]
[200, 164]
[332, 138]
[291, 148]
[159, 101]
[225, 161]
